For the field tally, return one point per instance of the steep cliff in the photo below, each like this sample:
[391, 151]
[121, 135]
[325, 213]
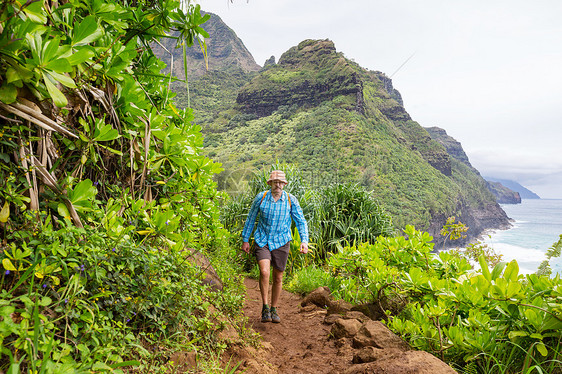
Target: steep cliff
[453, 147]
[341, 122]
[503, 194]
[225, 51]
[305, 76]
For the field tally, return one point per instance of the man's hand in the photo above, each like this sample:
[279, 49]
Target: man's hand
[304, 248]
[246, 247]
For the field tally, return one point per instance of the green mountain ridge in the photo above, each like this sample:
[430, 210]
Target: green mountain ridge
[339, 122]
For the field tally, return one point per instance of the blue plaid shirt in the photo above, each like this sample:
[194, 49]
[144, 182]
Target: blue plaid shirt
[274, 225]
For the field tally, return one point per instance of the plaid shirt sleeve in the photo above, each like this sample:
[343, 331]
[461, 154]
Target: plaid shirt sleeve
[298, 216]
[251, 219]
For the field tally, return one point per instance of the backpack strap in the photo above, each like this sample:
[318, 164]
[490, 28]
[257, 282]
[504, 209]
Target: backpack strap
[263, 197]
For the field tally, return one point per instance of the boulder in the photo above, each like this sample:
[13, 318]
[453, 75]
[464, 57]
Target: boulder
[339, 307]
[401, 362]
[375, 334]
[331, 318]
[322, 297]
[366, 354]
[370, 310]
[357, 315]
[345, 328]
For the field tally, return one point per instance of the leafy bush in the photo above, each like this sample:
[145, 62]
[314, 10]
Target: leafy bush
[103, 190]
[347, 213]
[499, 320]
[77, 298]
[307, 279]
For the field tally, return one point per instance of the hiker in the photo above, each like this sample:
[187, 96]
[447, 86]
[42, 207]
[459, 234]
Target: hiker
[272, 238]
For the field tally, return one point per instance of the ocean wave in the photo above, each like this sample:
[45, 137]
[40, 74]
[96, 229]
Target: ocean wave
[515, 252]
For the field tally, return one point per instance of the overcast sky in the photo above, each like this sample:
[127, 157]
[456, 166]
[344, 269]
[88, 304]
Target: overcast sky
[488, 72]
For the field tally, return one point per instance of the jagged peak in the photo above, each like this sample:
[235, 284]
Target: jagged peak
[309, 50]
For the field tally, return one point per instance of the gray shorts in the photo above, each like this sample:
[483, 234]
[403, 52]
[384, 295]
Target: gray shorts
[278, 256]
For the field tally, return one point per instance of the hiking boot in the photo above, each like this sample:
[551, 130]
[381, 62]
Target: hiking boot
[265, 315]
[274, 316]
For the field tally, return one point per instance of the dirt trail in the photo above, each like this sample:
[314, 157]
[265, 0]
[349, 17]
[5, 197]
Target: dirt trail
[300, 342]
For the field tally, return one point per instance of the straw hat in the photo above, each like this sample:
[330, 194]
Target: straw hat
[277, 175]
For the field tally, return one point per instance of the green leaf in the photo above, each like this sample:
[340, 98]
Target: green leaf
[49, 51]
[513, 289]
[125, 363]
[514, 334]
[101, 366]
[63, 211]
[512, 271]
[106, 133]
[57, 96]
[82, 195]
[80, 55]
[8, 265]
[5, 212]
[8, 93]
[65, 80]
[12, 75]
[45, 300]
[34, 11]
[484, 267]
[496, 272]
[542, 349]
[60, 65]
[87, 31]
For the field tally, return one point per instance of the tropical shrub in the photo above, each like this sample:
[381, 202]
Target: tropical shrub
[102, 191]
[498, 321]
[347, 213]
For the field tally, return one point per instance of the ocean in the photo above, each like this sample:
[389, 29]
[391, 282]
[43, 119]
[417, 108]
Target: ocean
[537, 226]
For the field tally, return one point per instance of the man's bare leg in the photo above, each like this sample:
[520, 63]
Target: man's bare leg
[277, 286]
[264, 266]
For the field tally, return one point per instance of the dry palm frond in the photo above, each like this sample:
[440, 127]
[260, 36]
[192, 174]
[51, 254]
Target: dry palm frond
[32, 113]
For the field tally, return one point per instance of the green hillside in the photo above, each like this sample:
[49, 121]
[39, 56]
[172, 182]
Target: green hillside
[340, 122]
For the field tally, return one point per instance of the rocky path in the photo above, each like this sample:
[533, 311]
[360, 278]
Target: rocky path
[299, 344]
[308, 341]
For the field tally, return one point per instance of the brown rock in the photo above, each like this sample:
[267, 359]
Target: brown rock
[210, 276]
[404, 362]
[357, 315]
[366, 354]
[345, 328]
[339, 307]
[375, 334]
[331, 318]
[322, 297]
[370, 310]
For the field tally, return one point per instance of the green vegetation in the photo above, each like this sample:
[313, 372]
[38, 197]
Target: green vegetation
[105, 199]
[492, 321]
[337, 214]
[305, 110]
[106, 204]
